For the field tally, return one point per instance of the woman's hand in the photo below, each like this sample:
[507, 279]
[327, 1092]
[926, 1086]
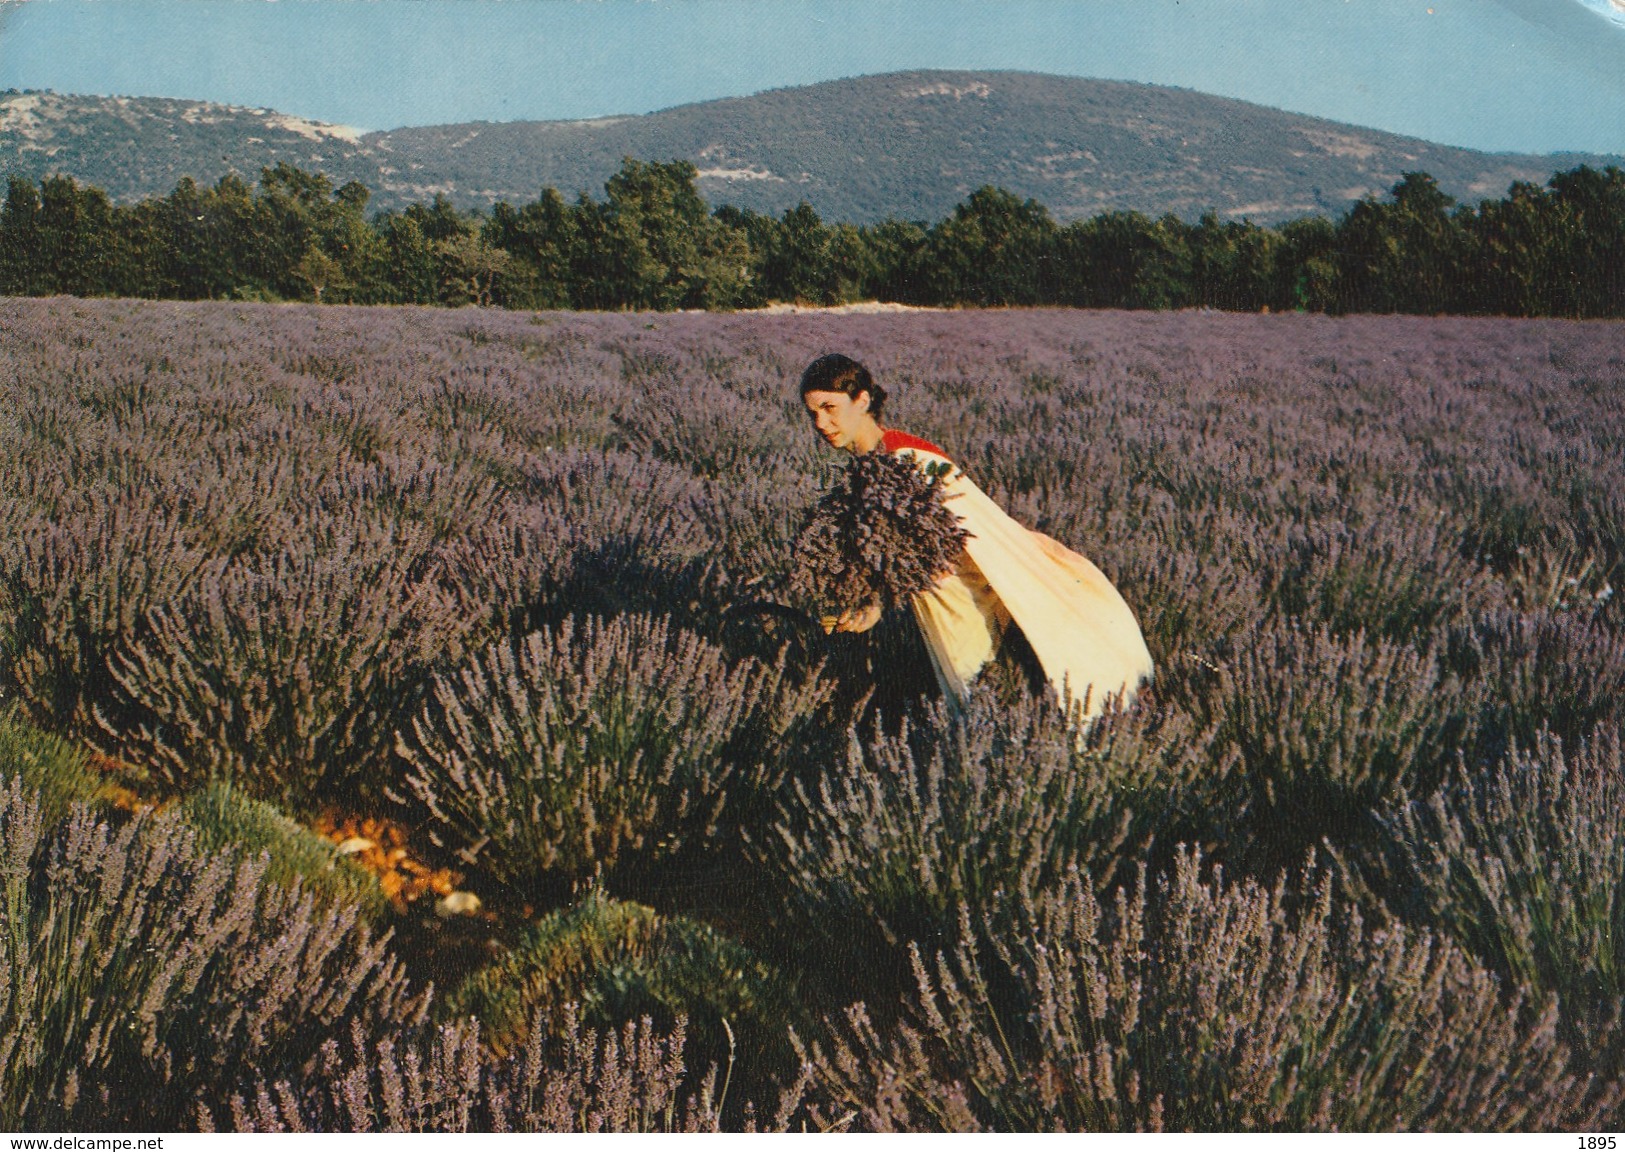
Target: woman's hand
[853, 620]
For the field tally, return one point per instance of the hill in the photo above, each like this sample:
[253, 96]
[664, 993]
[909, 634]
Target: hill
[905, 144]
[133, 147]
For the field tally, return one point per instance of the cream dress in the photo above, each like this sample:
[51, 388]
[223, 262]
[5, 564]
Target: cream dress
[1084, 635]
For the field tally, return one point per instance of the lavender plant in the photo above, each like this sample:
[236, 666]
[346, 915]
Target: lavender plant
[597, 533]
[141, 974]
[1193, 1004]
[600, 744]
[1328, 729]
[286, 676]
[74, 583]
[1542, 672]
[1525, 865]
[891, 846]
[1399, 581]
[628, 1080]
[715, 434]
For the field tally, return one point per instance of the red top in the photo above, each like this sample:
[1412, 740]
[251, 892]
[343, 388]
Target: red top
[891, 440]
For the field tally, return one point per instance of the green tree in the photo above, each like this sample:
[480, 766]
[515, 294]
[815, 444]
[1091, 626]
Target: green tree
[142, 252]
[1587, 252]
[894, 252]
[434, 255]
[470, 269]
[409, 266]
[212, 239]
[1406, 255]
[653, 244]
[310, 242]
[797, 265]
[1305, 270]
[539, 237]
[1232, 264]
[353, 245]
[73, 239]
[317, 272]
[852, 264]
[995, 249]
[21, 271]
[1164, 279]
[1514, 239]
[758, 232]
[440, 220]
[610, 264]
[181, 219]
[286, 207]
[1120, 260]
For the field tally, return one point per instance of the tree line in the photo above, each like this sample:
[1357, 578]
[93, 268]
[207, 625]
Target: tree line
[652, 242]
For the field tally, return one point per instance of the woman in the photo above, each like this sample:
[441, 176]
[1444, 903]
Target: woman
[1084, 635]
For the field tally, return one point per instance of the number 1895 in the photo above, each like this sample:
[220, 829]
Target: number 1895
[1597, 1144]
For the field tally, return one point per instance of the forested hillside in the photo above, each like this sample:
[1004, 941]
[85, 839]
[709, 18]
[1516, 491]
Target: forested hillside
[134, 147]
[907, 145]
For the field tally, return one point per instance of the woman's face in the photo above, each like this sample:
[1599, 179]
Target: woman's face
[843, 422]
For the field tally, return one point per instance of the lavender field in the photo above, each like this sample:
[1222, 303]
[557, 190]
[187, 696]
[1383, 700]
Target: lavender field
[1354, 861]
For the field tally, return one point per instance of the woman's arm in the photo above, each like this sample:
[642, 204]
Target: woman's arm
[853, 620]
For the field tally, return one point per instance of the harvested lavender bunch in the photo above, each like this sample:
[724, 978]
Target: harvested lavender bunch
[880, 535]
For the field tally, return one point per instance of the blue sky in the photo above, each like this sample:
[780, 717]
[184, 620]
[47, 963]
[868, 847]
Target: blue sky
[1513, 75]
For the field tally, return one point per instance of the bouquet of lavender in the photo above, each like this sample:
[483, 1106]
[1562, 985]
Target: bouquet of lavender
[881, 535]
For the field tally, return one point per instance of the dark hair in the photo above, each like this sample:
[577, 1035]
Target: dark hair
[838, 373]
